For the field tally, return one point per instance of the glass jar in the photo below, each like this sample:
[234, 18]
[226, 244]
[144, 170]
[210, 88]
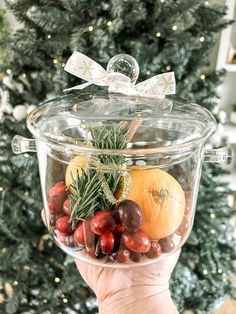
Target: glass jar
[120, 174]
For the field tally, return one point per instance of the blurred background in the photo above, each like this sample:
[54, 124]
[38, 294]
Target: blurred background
[197, 40]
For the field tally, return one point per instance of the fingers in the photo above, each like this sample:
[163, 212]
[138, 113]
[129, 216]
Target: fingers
[43, 216]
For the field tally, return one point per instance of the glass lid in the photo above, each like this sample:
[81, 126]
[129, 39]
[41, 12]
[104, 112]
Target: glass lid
[159, 125]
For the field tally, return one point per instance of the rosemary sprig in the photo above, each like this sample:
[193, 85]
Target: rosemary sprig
[84, 195]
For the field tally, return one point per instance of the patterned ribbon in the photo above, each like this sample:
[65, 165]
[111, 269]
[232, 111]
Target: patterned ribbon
[87, 69]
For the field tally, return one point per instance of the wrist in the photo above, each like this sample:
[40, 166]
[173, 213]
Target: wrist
[139, 299]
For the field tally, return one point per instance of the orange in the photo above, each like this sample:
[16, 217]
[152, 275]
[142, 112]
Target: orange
[160, 198]
[74, 168]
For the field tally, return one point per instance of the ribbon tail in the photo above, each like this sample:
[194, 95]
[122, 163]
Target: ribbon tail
[158, 85]
[77, 87]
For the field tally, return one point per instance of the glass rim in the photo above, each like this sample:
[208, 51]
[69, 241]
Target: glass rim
[61, 145]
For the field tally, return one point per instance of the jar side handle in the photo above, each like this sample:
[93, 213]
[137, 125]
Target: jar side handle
[22, 144]
[223, 155]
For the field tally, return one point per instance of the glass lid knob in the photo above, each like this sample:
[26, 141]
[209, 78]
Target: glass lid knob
[124, 64]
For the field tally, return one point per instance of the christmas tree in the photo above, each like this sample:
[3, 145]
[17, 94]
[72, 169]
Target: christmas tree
[36, 277]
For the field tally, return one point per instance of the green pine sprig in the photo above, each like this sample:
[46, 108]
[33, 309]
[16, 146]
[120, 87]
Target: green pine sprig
[84, 194]
[114, 136]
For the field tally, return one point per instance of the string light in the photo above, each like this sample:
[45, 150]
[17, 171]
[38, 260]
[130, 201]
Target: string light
[26, 267]
[212, 216]
[202, 77]
[57, 279]
[55, 61]
[229, 238]
[1, 189]
[65, 300]
[50, 244]
[23, 301]
[158, 34]
[15, 283]
[26, 155]
[202, 38]
[174, 27]
[205, 272]
[206, 2]
[90, 28]
[219, 271]
[49, 36]
[162, 1]
[63, 64]
[62, 295]
[168, 67]
[109, 23]
[23, 75]
[148, 72]
[213, 231]
[26, 194]
[45, 301]
[8, 71]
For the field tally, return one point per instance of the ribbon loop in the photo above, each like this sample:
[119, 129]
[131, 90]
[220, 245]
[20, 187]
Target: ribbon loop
[87, 69]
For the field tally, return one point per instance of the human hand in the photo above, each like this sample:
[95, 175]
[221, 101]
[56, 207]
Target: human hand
[128, 290]
[140, 289]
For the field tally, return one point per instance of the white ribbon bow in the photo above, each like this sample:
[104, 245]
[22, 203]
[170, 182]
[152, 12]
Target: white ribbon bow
[87, 69]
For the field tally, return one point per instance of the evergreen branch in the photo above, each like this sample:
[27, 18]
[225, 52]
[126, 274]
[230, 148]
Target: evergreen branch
[83, 196]
[114, 136]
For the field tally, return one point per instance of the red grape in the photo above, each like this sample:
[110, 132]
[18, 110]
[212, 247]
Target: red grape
[129, 215]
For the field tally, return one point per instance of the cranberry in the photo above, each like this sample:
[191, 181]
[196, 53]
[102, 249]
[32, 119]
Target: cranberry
[66, 207]
[63, 225]
[57, 195]
[58, 190]
[136, 242]
[79, 234]
[106, 242]
[89, 238]
[122, 255]
[102, 223]
[154, 251]
[167, 244]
